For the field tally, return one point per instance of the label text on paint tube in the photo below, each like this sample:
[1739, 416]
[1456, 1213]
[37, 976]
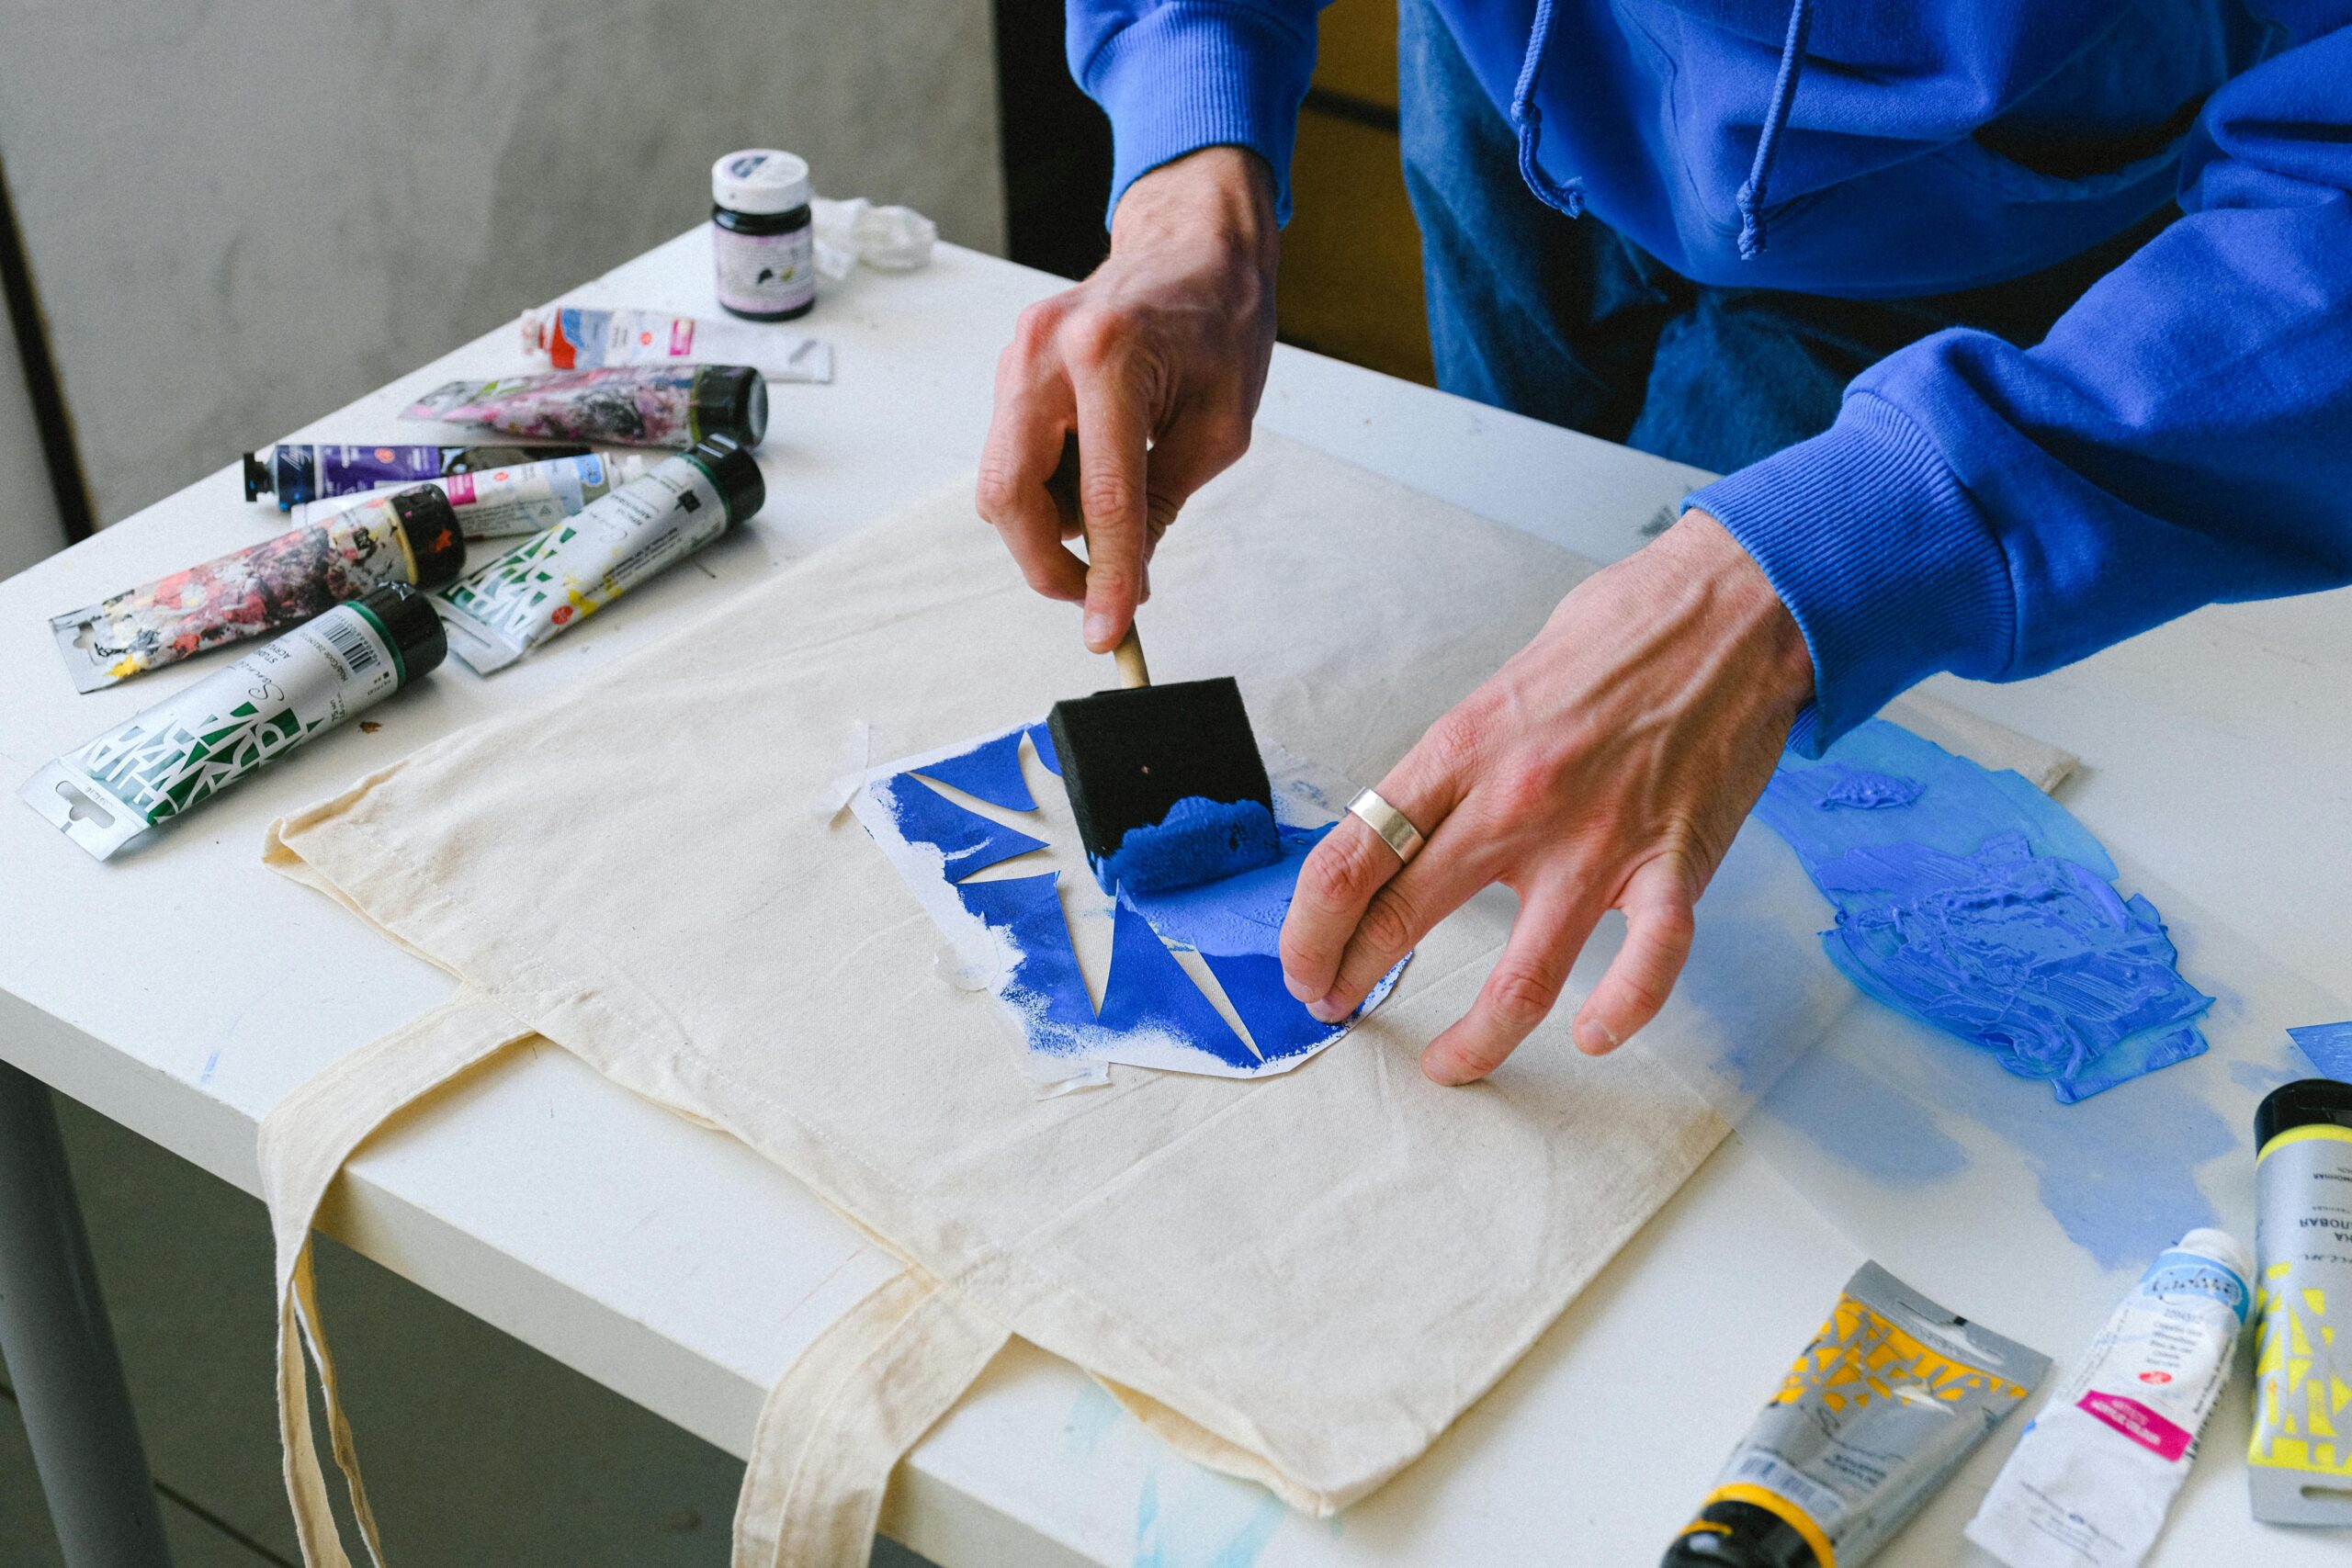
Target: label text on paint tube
[2089, 1483]
[542, 585]
[190, 746]
[509, 502]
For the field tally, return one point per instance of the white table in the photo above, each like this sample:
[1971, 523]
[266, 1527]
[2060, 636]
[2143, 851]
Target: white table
[607, 1232]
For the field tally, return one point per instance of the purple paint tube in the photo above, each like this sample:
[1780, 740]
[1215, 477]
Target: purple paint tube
[501, 503]
[411, 537]
[630, 405]
[298, 472]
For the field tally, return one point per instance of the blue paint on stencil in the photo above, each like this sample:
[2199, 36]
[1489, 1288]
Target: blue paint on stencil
[1277, 1022]
[1972, 901]
[970, 841]
[2329, 1045]
[1241, 914]
[991, 770]
[1200, 840]
[1046, 985]
[1041, 736]
[1148, 989]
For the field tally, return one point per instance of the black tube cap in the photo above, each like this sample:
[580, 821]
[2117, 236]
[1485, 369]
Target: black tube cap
[734, 472]
[2305, 1102]
[259, 482]
[731, 400]
[408, 619]
[1738, 1534]
[434, 537]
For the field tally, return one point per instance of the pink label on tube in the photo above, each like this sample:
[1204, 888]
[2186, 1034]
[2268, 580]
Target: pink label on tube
[2137, 1422]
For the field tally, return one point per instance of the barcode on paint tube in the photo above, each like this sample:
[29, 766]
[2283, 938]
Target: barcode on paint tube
[358, 653]
[1773, 1475]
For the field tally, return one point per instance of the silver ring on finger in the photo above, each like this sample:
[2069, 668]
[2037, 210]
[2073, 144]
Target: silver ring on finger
[1385, 820]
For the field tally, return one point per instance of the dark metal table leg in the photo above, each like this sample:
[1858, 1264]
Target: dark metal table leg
[60, 1349]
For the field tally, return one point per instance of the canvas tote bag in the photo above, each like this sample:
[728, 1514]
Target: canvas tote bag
[1302, 1280]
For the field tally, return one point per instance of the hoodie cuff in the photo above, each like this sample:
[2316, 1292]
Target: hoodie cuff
[1879, 554]
[1189, 76]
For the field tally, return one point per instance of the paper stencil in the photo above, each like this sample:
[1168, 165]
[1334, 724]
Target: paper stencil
[1184, 982]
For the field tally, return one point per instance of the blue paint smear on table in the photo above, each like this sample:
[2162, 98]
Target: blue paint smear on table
[968, 840]
[1200, 840]
[2116, 1171]
[989, 771]
[1216, 1523]
[2329, 1045]
[1972, 901]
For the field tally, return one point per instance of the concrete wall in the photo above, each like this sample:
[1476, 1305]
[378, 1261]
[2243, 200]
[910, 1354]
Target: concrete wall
[243, 214]
[28, 526]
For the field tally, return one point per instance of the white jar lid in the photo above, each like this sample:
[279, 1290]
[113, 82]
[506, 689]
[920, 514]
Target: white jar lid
[759, 180]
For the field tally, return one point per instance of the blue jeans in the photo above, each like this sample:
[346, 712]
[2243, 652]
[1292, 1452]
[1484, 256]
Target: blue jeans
[1566, 320]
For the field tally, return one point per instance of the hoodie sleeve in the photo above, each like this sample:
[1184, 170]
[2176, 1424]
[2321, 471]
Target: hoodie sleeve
[1179, 76]
[2182, 436]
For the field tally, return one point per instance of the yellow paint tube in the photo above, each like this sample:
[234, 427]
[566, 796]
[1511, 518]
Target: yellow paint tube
[1892, 1396]
[2301, 1458]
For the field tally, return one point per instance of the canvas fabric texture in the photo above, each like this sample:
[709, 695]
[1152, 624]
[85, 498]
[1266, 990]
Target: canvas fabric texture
[1302, 1280]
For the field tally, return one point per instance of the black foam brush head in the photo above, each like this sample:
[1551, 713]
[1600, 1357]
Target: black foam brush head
[1127, 756]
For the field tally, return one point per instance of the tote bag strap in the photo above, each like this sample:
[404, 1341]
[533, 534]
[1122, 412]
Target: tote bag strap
[304, 1143]
[844, 1413]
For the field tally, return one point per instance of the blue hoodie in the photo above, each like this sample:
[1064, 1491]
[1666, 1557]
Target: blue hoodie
[2182, 436]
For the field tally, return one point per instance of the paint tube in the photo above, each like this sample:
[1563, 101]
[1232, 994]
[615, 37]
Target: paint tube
[410, 536]
[1890, 1397]
[190, 747]
[297, 472]
[506, 503]
[553, 579]
[573, 337]
[2301, 1452]
[630, 405]
[2093, 1477]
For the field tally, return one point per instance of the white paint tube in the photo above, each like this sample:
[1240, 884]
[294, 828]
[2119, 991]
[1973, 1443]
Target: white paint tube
[555, 578]
[576, 337]
[2093, 1477]
[525, 498]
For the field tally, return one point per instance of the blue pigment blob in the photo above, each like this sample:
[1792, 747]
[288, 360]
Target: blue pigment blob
[1042, 737]
[1046, 985]
[1200, 840]
[991, 770]
[2032, 958]
[970, 841]
[1980, 906]
[1858, 789]
[2329, 1045]
[1148, 989]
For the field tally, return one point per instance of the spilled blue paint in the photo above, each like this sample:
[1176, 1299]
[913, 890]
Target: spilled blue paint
[1209, 1520]
[1972, 901]
[2329, 1045]
[1200, 840]
[968, 840]
[989, 771]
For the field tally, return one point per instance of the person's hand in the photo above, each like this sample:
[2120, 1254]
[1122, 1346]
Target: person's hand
[1607, 765]
[1153, 366]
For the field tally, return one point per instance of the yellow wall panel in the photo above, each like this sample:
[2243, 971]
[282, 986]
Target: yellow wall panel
[1351, 283]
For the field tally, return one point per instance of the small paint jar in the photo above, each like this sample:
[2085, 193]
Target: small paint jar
[761, 243]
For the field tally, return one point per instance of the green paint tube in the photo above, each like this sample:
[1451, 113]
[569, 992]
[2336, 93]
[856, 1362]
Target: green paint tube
[190, 747]
[555, 578]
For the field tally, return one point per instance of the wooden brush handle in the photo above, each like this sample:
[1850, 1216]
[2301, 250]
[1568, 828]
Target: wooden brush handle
[1133, 671]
